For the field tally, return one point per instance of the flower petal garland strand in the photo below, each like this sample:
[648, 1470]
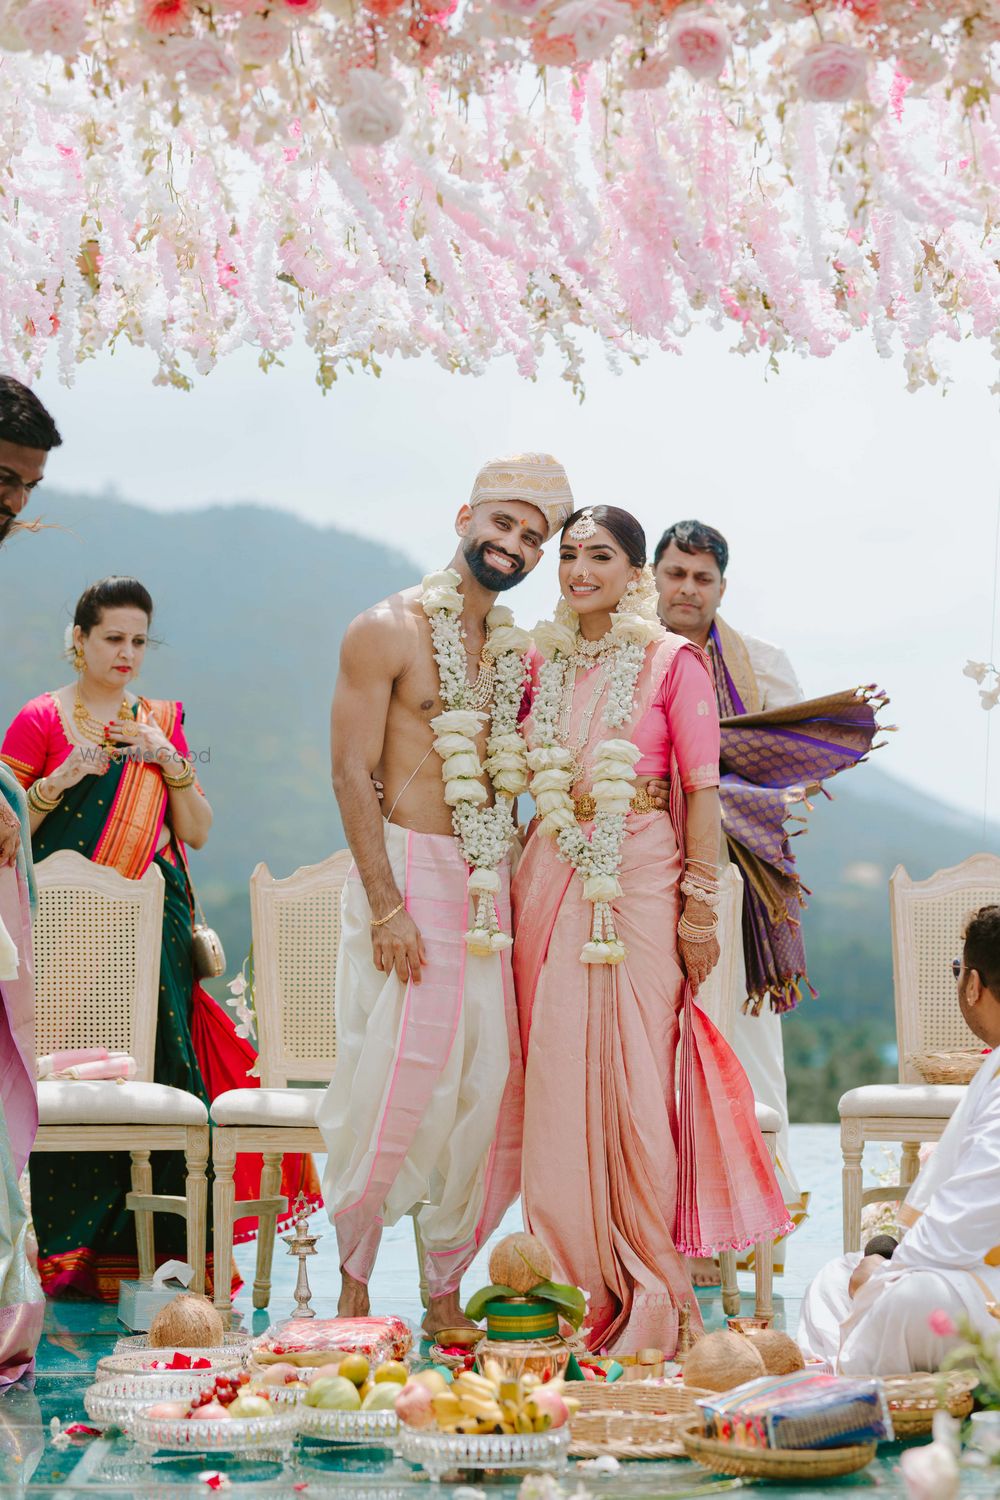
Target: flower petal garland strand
[388, 178]
[595, 858]
[484, 833]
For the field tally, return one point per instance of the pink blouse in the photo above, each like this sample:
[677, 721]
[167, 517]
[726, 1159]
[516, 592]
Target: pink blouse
[683, 717]
[37, 742]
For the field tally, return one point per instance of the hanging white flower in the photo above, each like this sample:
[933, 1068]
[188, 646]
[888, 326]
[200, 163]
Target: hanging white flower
[552, 639]
[977, 670]
[372, 113]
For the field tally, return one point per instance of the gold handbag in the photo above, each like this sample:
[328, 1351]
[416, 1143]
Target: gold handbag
[207, 951]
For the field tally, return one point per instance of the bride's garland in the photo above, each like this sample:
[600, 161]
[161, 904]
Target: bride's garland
[596, 859]
[484, 833]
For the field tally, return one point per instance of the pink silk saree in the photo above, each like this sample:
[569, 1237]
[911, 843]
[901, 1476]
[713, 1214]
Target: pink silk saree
[630, 1162]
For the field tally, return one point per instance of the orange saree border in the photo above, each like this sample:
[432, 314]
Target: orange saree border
[136, 817]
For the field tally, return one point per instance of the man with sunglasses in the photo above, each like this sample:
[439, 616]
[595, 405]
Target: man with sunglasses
[947, 1267]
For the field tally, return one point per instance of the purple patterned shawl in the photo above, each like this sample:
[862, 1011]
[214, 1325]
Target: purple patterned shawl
[769, 761]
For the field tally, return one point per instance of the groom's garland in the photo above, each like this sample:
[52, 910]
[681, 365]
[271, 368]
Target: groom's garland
[484, 833]
[596, 859]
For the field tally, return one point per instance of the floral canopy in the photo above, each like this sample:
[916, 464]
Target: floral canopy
[477, 178]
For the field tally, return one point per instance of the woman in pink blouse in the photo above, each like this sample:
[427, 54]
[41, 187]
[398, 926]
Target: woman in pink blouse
[606, 966]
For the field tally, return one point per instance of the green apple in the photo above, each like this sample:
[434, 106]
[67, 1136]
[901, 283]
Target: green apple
[382, 1397]
[334, 1394]
[251, 1406]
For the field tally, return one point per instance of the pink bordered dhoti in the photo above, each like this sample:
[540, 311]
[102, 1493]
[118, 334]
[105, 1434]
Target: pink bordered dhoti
[425, 1107]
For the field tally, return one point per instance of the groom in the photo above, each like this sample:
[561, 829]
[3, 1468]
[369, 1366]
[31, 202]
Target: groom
[425, 1104]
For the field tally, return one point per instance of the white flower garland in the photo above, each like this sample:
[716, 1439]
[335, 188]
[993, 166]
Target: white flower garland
[484, 833]
[596, 859]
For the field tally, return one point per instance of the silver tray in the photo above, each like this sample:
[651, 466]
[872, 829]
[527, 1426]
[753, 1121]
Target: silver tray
[114, 1402]
[440, 1452]
[348, 1426]
[227, 1435]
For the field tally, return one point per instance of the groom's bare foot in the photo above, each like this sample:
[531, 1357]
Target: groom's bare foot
[446, 1312]
[703, 1270]
[354, 1301]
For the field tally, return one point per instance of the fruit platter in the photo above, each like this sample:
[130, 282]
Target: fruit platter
[349, 1401]
[224, 1415]
[483, 1421]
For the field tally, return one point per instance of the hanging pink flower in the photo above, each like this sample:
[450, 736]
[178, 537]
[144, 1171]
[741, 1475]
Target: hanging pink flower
[205, 63]
[260, 41]
[923, 64]
[651, 73]
[553, 51]
[300, 7]
[700, 43]
[165, 16]
[832, 72]
[53, 26]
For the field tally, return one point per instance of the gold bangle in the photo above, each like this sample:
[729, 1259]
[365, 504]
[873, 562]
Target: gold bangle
[381, 921]
[183, 779]
[38, 802]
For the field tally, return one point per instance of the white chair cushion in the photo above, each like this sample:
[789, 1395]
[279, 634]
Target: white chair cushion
[933, 1101]
[93, 1102]
[768, 1119]
[291, 1107]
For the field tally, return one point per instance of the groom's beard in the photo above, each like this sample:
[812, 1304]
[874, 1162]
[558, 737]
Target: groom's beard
[7, 519]
[491, 579]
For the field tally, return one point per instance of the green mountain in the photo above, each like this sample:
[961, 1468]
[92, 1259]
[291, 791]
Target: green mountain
[250, 608]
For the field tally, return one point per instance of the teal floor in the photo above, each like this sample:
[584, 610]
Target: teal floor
[77, 1334]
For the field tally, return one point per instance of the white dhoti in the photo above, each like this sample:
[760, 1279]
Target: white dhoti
[826, 1304]
[426, 1103]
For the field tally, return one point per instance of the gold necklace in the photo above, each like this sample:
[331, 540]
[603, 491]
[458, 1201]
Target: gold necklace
[89, 725]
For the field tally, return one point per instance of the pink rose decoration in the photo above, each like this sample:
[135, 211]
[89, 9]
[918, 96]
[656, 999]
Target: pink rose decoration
[939, 1322]
[832, 72]
[53, 26]
[700, 43]
[261, 41]
[923, 64]
[372, 113]
[204, 61]
[300, 7]
[165, 16]
[651, 73]
[591, 25]
[553, 51]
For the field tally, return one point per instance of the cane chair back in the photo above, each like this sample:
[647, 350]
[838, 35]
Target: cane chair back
[97, 939]
[718, 996]
[928, 917]
[296, 935]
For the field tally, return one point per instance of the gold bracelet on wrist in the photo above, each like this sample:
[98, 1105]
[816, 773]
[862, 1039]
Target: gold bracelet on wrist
[39, 802]
[183, 778]
[381, 921]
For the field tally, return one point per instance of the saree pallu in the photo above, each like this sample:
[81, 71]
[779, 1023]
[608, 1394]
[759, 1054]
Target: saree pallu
[86, 1236]
[22, 1305]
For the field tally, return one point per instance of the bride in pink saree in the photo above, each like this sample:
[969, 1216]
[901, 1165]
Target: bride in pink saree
[633, 1158]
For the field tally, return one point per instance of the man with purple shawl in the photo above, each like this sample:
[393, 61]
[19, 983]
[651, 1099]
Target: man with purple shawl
[776, 748]
[27, 433]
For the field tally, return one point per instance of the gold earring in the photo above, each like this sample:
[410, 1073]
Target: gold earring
[79, 660]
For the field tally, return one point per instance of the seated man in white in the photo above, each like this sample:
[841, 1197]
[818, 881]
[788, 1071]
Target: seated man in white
[949, 1260]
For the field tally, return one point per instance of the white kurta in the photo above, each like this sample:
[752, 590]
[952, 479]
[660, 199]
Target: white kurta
[757, 1040]
[949, 1261]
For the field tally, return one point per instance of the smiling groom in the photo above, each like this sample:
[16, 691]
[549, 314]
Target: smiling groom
[425, 1106]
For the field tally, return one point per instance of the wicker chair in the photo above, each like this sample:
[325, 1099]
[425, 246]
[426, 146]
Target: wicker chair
[927, 921]
[97, 974]
[717, 998]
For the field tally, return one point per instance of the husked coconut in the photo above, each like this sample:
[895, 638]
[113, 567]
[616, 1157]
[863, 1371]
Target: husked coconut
[781, 1354]
[188, 1322]
[520, 1262]
[720, 1360]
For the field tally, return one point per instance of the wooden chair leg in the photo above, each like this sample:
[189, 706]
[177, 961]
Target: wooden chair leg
[142, 1182]
[223, 1199]
[763, 1258]
[270, 1187]
[852, 1146]
[196, 1192]
[421, 1260]
[730, 1285]
[909, 1164]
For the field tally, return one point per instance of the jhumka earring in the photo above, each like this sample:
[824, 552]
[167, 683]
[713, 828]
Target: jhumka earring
[584, 528]
[79, 660]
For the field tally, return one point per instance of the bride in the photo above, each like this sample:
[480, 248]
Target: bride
[615, 912]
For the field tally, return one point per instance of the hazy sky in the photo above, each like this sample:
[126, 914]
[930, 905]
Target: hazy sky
[861, 519]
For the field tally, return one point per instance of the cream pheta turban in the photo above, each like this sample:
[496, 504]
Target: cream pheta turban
[534, 477]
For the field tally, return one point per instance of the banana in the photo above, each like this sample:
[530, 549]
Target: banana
[523, 1423]
[447, 1406]
[475, 1384]
[492, 1371]
[485, 1411]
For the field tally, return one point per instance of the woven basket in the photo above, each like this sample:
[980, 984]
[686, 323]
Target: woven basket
[629, 1420]
[797, 1465]
[913, 1400]
[946, 1067]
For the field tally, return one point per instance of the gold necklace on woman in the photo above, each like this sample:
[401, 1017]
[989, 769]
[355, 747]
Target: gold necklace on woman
[89, 726]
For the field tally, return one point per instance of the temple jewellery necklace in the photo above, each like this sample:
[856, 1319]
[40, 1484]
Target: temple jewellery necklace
[89, 726]
[481, 692]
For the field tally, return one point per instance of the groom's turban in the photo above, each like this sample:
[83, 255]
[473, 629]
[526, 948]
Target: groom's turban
[536, 478]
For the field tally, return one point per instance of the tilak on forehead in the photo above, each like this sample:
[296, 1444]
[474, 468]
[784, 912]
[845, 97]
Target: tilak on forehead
[536, 478]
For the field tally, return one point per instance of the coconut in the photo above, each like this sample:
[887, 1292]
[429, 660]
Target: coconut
[781, 1354]
[720, 1360]
[520, 1262]
[187, 1322]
